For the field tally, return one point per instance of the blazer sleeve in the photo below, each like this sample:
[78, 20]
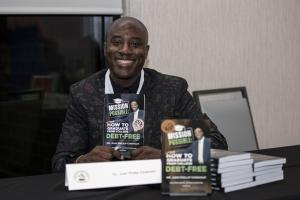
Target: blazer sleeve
[187, 108]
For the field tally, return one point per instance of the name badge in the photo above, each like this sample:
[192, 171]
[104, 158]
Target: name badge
[112, 174]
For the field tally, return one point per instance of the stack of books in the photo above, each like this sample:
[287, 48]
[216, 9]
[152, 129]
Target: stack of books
[267, 168]
[231, 171]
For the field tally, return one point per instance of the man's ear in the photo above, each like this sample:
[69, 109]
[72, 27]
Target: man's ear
[147, 50]
[104, 48]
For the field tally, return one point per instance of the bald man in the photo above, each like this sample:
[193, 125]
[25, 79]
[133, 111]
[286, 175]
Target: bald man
[126, 49]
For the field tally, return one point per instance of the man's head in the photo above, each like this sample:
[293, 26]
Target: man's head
[198, 132]
[126, 49]
[134, 106]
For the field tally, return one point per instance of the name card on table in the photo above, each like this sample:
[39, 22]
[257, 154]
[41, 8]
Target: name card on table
[112, 174]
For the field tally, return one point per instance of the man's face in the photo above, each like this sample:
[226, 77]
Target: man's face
[198, 133]
[134, 106]
[126, 49]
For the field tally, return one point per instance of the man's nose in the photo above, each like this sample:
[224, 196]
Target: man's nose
[125, 48]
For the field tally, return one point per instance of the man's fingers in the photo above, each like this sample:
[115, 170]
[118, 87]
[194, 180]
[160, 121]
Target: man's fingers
[137, 151]
[103, 149]
[106, 156]
[146, 152]
[98, 154]
[116, 154]
[104, 153]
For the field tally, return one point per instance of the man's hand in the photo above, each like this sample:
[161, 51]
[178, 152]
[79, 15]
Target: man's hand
[145, 152]
[98, 154]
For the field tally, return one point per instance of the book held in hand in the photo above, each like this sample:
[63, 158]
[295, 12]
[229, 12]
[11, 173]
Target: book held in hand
[124, 121]
[185, 158]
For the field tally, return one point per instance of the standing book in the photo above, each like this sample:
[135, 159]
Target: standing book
[124, 117]
[185, 158]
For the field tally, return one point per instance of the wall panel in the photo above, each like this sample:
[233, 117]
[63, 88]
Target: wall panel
[229, 43]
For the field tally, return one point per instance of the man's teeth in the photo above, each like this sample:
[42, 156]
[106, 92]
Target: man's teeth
[125, 61]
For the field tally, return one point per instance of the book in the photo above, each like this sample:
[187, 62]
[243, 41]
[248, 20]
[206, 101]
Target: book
[236, 173]
[235, 187]
[231, 174]
[269, 179]
[124, 117]
[221, 156]
[231, 169]
[272, 170]
[232, 178]
[263, 168]
[185, 158]
[268, 174]
[261, 160]
[232, 163]
[239, 181]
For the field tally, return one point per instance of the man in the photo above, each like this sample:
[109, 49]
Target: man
[126, 50]
[136, 117]
[200, 147]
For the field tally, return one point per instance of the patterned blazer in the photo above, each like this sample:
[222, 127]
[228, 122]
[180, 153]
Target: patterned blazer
[165, 97]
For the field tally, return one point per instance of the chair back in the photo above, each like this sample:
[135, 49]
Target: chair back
[229, 109]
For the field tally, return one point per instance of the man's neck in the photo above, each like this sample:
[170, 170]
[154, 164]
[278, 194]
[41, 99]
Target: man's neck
[124, 83]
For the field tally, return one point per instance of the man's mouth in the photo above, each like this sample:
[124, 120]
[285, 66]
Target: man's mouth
[124, 62]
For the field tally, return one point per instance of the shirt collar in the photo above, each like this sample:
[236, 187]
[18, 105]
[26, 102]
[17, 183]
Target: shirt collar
[131, 89]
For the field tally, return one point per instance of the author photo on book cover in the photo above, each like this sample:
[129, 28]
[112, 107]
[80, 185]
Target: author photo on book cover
[200, 147]
[135, 117]
[126, 49]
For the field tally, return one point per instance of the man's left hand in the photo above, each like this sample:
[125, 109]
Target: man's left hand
[145, 152]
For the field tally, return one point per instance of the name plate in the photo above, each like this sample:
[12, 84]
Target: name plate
[112, 174]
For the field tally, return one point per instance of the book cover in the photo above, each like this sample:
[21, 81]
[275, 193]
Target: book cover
[124, 121]
[262, 172]
[232, 182]
[265, 160]
[268, 167]
[232, 178]
[231, 163]
[231, 169]
[268, 175]
[235, 187]
[236, 173]
[185, 158]
[269, 179]
[220, 156]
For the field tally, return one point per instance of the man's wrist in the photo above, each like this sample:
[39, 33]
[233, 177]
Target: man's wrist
[78, 159]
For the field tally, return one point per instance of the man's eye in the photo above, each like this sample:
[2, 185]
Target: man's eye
[135, 44]
[116, 42]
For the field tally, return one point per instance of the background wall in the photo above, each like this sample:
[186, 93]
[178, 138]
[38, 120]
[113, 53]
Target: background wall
[229, 43]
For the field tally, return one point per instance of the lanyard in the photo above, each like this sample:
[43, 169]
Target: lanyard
[108, 86]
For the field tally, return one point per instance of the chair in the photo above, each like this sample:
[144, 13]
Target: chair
[229, 109]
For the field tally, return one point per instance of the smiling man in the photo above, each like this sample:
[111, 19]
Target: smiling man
[126, 50]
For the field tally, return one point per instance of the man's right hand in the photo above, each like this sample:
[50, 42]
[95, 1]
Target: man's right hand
[98, 154]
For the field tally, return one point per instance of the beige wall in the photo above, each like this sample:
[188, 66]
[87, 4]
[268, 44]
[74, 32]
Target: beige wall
[229, 43]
